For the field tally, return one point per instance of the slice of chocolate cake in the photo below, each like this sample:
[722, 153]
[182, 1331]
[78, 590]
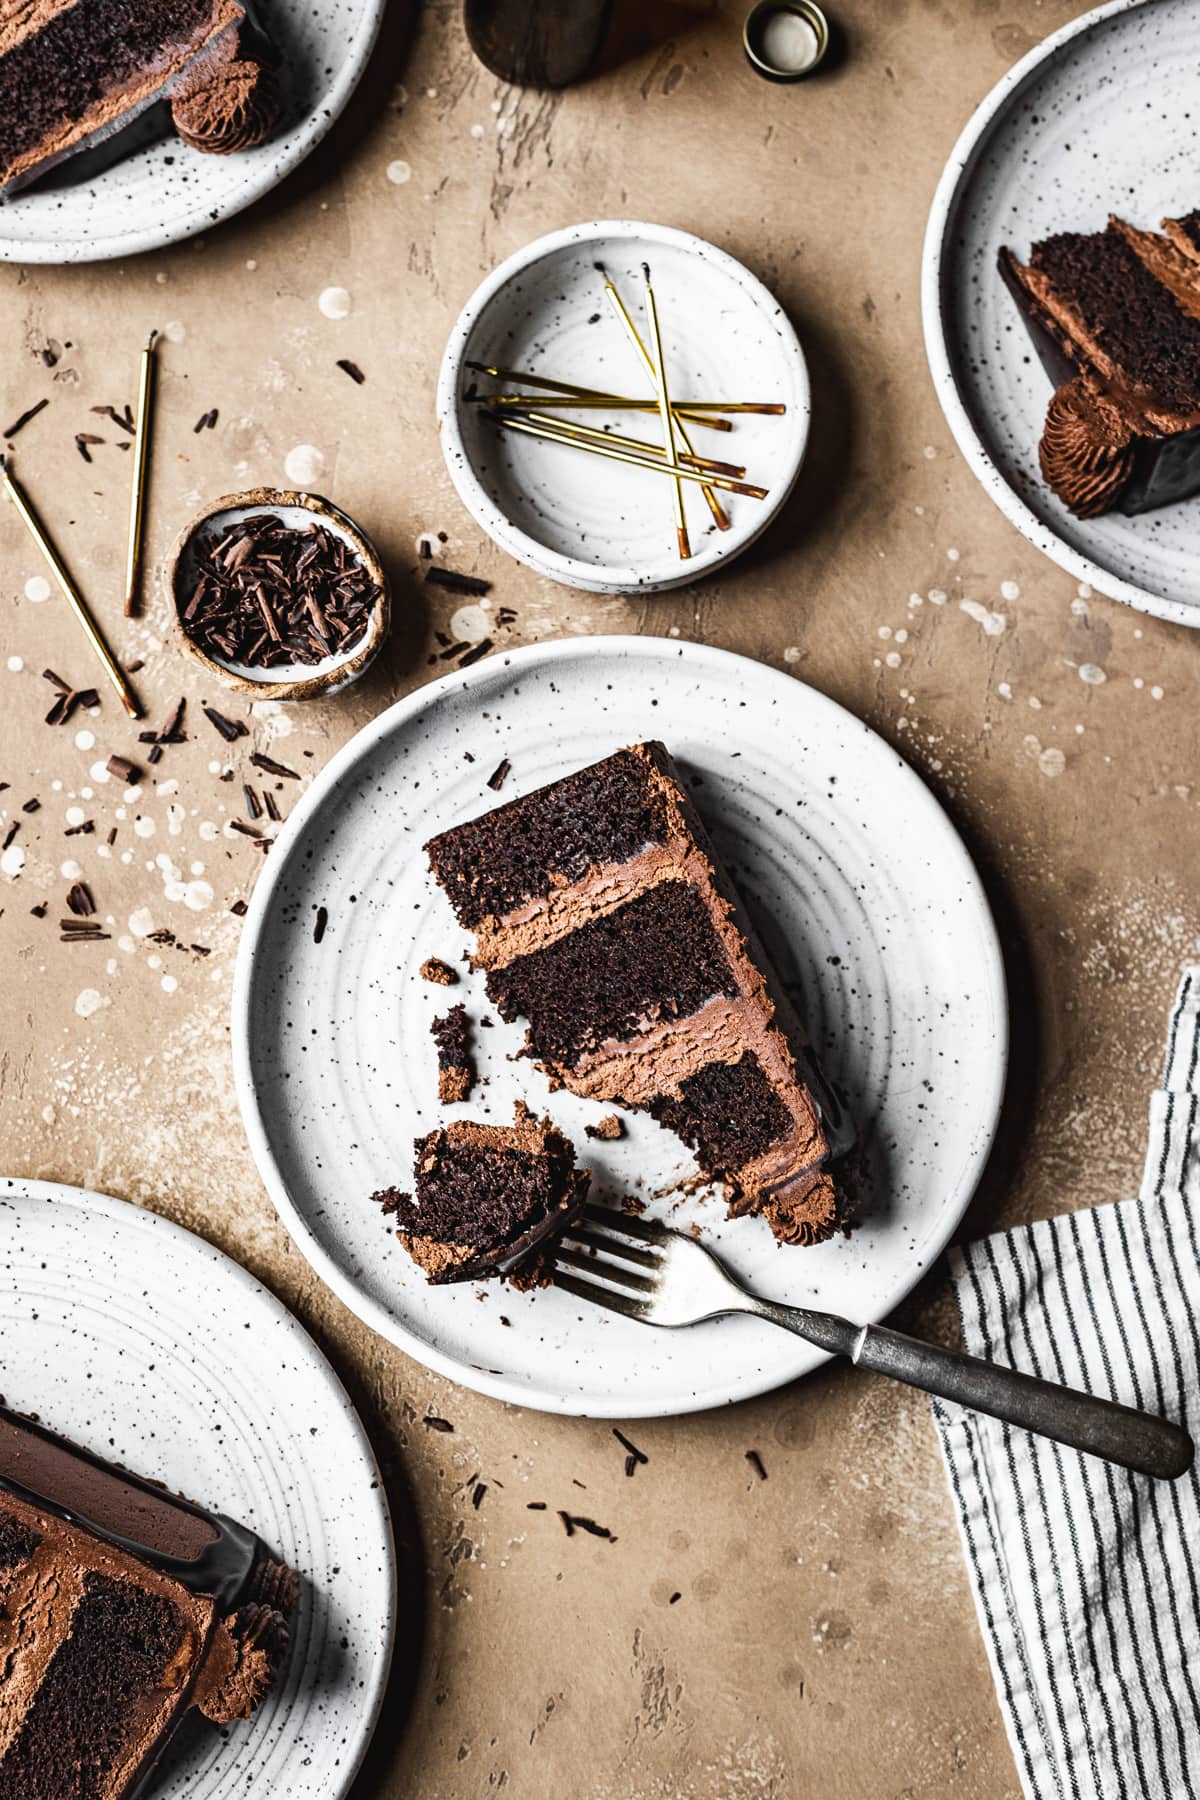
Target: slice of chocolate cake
[122, 1608]
[74, 71]
[1115, 316]
[602, 918]
[488, 1198]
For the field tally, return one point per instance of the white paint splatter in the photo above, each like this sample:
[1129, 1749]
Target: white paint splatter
[85, 740]
[936, 596]
[1004, 690]
[1009, 590]
[70, 870]
[1093, 674]
[992, 623]
[37, 589]
[141, 922]
[892, 659]
[469, 622]
[88, 1001]
[168, 984]
[336, 303]
[99, 773]
[791, 654]
[1156, 693]
[15, 665]
[175, 331]
[304, 464]
[12, 861]
[399, 172]
[1052, 762]
[144, 827]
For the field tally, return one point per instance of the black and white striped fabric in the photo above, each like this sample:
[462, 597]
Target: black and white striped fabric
[1087, 1579]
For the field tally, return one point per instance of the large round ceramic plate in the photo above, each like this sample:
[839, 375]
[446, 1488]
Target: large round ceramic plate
[144, 188]
[197, 1377]
[870, 909]
[1102, 117]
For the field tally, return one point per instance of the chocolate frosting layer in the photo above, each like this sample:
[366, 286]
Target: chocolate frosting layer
[1087, 451]
[230, 99]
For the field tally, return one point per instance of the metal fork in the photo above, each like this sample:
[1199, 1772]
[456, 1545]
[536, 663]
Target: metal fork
[661, 1277]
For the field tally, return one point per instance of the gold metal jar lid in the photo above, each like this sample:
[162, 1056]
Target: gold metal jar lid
[786, 40]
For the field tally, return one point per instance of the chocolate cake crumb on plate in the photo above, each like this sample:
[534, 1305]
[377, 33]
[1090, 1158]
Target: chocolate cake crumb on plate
[489, 1198]
[608, 1130]
[438, 972]
[456, 1066]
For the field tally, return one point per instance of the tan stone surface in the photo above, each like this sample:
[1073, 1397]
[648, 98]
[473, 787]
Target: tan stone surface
[823, 1638]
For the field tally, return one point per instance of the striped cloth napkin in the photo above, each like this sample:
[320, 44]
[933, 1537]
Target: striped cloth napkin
[1087, 1579]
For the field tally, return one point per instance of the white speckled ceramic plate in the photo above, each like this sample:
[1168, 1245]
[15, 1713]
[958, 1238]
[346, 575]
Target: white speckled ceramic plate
[1102, 117]
[870, 909]
[601, 525]
[142, 1342]
[145, 188]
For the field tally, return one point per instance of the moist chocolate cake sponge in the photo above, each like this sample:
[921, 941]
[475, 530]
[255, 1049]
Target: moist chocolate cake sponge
[487, 1196]
[604, 921]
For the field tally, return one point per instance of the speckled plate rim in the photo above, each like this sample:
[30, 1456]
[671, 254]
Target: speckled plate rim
[610, 578]
[258, 180]
[290, 840]
[140, 1218]
[959, 168]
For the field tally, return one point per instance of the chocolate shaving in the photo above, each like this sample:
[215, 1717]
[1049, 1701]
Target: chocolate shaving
[40, 910]
[10, 834]
[635, 1456]
[498, 775]
[206, 421]
[83, 441]
[122, 420]
[351, 369]
[246, 830]
[573, 1522]
[270, 767]
[477, 1493]
[272, 806]
[29, 413]
[756, 1463]
[121, 769]
[436, 1424]
[439, 576]
[267, 595]
[253, 808]
[68, 698]
[84, 830]
[229, 729]
[80, 901]
[473, 655]
[535, 1506]
[239, 909]
[31, 806]
[319, 924]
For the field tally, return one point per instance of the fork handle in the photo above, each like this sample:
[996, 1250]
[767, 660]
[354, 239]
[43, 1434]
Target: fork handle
[1135, 1440]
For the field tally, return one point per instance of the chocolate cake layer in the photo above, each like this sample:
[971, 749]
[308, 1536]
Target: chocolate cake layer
[121, 1608]
[1115, 316]
[626, 952]
[70, 71]
[487, 1196]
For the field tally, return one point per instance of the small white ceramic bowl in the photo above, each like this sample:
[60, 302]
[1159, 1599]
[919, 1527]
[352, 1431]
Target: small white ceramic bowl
[293, 680]
[582, 520]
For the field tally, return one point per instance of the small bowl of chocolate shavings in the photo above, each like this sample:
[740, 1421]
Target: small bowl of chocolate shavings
[279, 594]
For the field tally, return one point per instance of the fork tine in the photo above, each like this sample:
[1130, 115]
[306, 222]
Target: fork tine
[576, 1259]
[618, 1303]
[649, 1230]
[615, 1246]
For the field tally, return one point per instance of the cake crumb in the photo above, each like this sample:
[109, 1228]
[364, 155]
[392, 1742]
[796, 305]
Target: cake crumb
[439, 972]
[608, 1129]
[456, 1068]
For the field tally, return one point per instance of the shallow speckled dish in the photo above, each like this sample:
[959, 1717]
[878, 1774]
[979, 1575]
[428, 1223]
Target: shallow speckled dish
[592, 523]
[861, 888]
[198, 1377]
[1101, 117]
[145, 188]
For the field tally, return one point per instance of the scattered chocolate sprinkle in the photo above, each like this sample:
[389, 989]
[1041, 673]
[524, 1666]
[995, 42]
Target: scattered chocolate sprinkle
[635, 1456]
[440, 973]
[10, 834]
[246, 830]
[674, 1597]
[83, 442]
[452, 650]
[272, 806]
[269, 766]
[351, 369]
[68, 698]
[122, 769]
[239, 909]
[505, 616]
[122, 420]
[756, 1463]
[112, 837]
[473, 655]
[50, 355]
[206, 421]
[84, 830]
[171, 733]
[30, 413]
[40, 910]
[439, 576]
[266, 594]
[477, 1493]
[573, 1522]
[535, 1506]
[607, 1130]
[253, 808]
[436, 1424]
[80, 901]
[31, 806]
[133, 667]
[319, 924]
[499, 775]
[82, 931]
[229, 729]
